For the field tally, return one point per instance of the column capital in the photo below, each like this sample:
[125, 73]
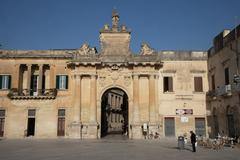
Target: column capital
[93, 75]
[135, 76]
[151, 76]
[78, 76]
[17, 65]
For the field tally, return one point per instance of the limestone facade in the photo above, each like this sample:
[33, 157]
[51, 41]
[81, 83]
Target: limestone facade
[223, 74]
[59, 93]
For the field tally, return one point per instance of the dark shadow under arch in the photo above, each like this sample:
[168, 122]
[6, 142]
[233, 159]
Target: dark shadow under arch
[114, 112]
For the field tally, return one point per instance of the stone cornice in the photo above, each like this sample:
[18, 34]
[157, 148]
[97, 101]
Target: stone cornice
[63, 54]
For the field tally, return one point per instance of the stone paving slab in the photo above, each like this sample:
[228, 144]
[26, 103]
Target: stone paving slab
[108, 149]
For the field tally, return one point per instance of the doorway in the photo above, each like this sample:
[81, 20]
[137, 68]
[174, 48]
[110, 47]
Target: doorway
[2, 126]
[230, 121]
[61, 122]
[200, 127]
[2, 120]
[169, 123]
[114, 113]
[31, 127]
[31, 122]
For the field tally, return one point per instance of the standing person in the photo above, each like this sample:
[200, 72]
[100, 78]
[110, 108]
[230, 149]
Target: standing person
[193, 140]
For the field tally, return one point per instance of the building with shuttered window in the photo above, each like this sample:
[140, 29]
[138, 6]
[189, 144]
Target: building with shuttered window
[68, 92]
[224, 84]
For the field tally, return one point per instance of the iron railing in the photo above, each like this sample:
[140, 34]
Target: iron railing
[15, 93]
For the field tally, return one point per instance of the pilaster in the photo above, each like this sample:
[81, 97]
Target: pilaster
[29, 75]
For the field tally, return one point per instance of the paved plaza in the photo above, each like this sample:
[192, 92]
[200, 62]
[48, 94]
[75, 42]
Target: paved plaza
[109, 148]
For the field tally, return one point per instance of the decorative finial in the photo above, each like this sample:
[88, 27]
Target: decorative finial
[146, 49]
[114, 12]
[115, 19]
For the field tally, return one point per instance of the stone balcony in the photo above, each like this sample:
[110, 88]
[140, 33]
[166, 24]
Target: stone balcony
[15, 93]
[224, 91]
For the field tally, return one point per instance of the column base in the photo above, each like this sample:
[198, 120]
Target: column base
[90, 130]
[136, 131]
[153, 128]
[75, 130]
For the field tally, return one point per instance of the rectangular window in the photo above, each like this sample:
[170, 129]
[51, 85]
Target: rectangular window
[198, 86]
[5, 81]
[226, 71]
[167, 84]
[2, 113]
[61, 112]
[31, 113]
[62, 82]
[213, 82]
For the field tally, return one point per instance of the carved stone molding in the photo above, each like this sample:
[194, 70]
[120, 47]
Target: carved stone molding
[85, 49]
[127, 80]
[102, 80]
[114, 67]
[115, 75]
[146, 49]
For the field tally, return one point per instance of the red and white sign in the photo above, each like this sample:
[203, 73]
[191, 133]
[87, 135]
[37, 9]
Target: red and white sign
[184, 111]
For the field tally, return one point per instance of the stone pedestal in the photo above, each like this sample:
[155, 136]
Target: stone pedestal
[153, 128]
[75, 130]
[90, 131]
[136, 131]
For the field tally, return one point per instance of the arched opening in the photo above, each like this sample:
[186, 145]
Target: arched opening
[114, 112]
[215, 122]
[230, 121]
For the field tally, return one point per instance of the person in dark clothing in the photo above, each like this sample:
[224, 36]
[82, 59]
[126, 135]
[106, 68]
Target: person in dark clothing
[193, 140]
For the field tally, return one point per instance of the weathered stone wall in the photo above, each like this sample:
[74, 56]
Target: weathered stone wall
[183, 95]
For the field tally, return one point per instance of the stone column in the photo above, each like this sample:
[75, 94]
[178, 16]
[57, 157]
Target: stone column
[152, 99]
[40, 79]
[136, 99]
[29, 76]
[93, 108]
[20, 79]
[136, 126]
[52, 77]
[92, 131]
[77, 104]
[16, 77]
[75, 127]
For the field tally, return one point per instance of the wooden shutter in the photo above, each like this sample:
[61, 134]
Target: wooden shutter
[226, 76]
[165, 84]
[0, 82]
[198, 84]
[43, 82]
[213, 82]
[61, 126]
[57, 82]
[9, 82]
[66, 82]
[170, 84]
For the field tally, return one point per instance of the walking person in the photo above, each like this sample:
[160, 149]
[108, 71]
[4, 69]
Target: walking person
[193, 140]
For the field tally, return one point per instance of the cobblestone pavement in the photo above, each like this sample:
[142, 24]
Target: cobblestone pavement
[110, 148]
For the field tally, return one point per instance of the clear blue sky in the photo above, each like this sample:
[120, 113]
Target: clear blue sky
[164, 24]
